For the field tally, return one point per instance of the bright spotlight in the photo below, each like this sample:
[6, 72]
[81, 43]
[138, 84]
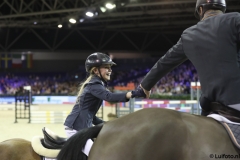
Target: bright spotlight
[103, 9]
[59, 26]
[81, 20]
[89, 14]
[72, 20]
[110, 5]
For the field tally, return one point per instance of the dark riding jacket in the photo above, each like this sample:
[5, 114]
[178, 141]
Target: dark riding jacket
[211, 45]
[83, 114]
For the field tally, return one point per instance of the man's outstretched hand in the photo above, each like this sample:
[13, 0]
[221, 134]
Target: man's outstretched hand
[140, 92]
[147, 93]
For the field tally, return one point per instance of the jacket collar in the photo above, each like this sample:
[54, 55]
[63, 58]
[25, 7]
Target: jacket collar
[96, 79]
[211, 13]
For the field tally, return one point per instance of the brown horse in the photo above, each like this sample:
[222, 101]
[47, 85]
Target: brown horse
[21, 149]
[153, 134]
[17, 149]
[148, 134]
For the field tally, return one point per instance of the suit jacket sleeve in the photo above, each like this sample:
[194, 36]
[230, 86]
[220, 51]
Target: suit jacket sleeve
[238, 26]
[174, 57]
[237, 22]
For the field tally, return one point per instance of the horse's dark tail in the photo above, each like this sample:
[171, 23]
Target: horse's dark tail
[72, 149]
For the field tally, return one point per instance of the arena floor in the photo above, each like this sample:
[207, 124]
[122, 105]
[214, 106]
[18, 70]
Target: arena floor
[25, 130]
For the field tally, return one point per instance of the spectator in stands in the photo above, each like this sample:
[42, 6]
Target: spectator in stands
[211, 46]
[178, 88]
[55, 84]
[92, 93]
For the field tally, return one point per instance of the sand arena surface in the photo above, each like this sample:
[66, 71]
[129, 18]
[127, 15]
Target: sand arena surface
[25, 130]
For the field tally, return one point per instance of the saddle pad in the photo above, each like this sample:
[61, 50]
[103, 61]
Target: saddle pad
[49, 158]
[234, 132]
[221, 118]
[87, 147]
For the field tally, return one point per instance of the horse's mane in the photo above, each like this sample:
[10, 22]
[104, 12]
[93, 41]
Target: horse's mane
[72, 148]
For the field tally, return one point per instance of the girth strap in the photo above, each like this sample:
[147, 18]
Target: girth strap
[229, 113]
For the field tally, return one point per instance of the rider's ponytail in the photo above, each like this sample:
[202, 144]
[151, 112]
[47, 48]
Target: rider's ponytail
[86, 81]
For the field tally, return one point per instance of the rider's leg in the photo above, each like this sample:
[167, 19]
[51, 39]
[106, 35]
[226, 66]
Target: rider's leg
[206, 105]
[69, 131]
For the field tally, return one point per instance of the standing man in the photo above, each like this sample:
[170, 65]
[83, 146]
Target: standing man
[211, 45]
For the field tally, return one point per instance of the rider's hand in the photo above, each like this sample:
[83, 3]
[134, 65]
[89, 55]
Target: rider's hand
[139, 92]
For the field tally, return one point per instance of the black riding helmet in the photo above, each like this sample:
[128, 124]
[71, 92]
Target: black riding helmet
[209, 4]
[96, 60]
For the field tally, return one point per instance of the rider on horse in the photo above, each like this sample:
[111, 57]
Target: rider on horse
[212, 45]
[92, 93]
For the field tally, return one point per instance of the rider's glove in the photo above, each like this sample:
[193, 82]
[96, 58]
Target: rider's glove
[138, 93]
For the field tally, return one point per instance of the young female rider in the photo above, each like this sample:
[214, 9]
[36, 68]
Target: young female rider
[92, 93]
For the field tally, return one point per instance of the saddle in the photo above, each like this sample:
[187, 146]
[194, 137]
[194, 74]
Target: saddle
[225, 111]
[49, 145]
[233, 129]
[51, 140]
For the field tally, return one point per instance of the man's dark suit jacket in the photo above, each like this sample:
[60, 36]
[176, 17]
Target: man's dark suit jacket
[211, 45]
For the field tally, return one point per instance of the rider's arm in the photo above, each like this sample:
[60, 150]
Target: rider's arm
[238, 36]
[99, 91]
[238, 26]
[174, 57]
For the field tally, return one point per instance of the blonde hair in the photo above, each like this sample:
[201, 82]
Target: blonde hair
[86, 81]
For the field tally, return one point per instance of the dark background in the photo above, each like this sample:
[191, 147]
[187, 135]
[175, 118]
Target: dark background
[141, 26]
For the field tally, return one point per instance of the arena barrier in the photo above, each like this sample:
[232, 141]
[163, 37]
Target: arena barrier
[48, 117]
[191, 106]
[54, 113]
[188, 106]
[179, 105]
[24, 111]
[195, 94]
[125, 108]
[22, 104]
[122, 109]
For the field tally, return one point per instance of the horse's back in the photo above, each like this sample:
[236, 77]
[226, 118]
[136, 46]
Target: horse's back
[17, 149]
[161, 134]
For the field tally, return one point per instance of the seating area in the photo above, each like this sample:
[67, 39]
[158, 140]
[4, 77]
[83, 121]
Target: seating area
[176, 82]
[42, 84]
[124, 77]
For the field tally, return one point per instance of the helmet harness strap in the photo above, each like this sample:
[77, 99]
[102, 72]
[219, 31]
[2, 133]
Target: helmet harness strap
[101, 76]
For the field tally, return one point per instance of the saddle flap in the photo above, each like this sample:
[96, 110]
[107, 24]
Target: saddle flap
[52, 139]
[50, 145]
[40, 149]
